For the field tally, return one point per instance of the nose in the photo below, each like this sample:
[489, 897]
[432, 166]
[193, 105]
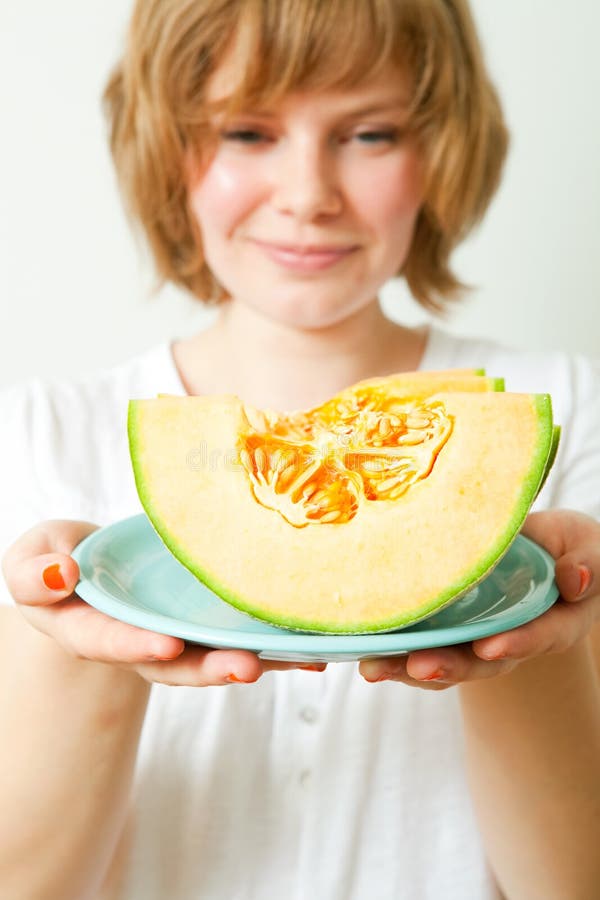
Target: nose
[306, 181]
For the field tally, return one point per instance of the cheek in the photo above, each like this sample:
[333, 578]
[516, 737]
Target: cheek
[394, 194]
[223, 198]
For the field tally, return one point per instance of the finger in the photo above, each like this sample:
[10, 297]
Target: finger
[38, 568]
[573, 540]
[202, 667]
[394, 669]
[44, 579]
[443, 666]
[556, 530]
[574, 573]
[573, 578]
[553, 632]
[311, 667]
[60, 535]
[454, 665]
[90, 634]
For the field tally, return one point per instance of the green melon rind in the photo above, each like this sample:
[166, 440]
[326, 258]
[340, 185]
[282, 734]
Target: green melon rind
[556, 433]
[539, 468]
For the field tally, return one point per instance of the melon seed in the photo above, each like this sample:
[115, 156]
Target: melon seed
[260, 458]
[410, 440]
[246, 460]
[417, 420]
[276, 460]
[331, 516]
[286, 477]
[388, 483]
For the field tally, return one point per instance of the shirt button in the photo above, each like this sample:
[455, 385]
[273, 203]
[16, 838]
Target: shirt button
[309, 714]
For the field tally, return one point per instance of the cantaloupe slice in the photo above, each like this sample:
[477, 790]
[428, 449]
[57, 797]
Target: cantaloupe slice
[365, 514]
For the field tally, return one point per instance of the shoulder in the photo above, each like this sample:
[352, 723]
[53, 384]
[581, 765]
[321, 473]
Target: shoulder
[66, 439]
[570, 379]
[573, 382]
[43, 410]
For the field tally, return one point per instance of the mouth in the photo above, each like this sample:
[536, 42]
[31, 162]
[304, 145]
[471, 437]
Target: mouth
[306, 257]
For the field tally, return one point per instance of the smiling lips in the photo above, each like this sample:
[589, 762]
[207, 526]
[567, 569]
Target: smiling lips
[306, 258]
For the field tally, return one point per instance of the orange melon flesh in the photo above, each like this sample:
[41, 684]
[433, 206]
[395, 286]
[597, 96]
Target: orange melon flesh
[365, 514]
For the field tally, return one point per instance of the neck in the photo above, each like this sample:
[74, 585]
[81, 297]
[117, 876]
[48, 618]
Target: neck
[305, 366]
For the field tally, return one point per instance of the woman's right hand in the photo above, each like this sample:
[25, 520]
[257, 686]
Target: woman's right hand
[37, 566]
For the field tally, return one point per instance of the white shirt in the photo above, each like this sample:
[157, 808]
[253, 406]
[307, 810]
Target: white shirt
[303, 785]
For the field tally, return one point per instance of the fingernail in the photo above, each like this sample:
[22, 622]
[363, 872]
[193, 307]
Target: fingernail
[317, 667]
[496, 651]
[159, 656]
[492, 655]
[383, 676]
[53, 579]
[434, 676]
[235, 680]
[585, 576]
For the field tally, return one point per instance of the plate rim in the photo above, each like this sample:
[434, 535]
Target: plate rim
[544, 595]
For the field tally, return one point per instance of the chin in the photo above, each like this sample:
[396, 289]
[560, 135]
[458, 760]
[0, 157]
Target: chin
[304, 313]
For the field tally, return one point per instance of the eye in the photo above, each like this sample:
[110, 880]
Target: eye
[244, 136]
[377, 136]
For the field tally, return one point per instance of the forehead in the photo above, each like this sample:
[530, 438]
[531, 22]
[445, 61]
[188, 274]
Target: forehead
[390, 88]
[251, 71]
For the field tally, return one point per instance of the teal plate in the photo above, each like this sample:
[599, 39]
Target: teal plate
[127, 572]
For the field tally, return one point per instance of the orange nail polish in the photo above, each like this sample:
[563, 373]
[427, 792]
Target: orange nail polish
[435, 676]
[585, 576]
[53, 579]
[235, 679]
[315, 668]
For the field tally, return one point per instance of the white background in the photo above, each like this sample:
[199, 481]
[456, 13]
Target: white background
[75, 289]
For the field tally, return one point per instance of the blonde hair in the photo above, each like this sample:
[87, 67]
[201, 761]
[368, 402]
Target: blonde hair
[156, 105]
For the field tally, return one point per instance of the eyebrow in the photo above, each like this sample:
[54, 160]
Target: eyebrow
[385, 107]
[388, 106]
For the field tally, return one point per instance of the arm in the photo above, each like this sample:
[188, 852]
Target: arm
[531, 706]
[70, 735]
[73, 694]
[533, 734]
[533, 757]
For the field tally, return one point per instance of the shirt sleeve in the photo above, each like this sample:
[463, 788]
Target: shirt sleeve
[22, 503]
[576, 483]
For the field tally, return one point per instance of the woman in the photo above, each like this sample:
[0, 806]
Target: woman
[285, 159]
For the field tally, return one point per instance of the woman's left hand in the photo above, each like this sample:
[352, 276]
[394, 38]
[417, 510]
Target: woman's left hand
[573, 540]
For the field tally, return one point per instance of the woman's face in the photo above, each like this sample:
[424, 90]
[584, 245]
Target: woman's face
[307, 208]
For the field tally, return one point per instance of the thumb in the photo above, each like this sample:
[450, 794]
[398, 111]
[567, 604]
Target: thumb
[38, 568]
[573, 540]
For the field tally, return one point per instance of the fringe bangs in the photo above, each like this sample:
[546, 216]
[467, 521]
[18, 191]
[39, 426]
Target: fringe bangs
[282, 46]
